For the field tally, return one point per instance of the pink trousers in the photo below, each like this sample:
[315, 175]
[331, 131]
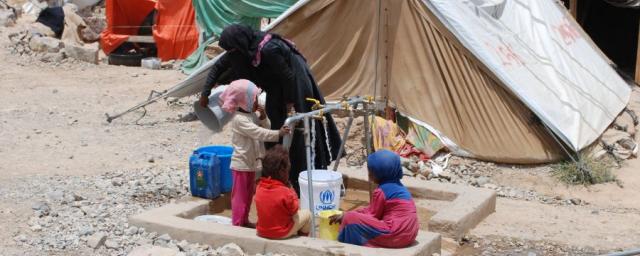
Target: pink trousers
[244, 187]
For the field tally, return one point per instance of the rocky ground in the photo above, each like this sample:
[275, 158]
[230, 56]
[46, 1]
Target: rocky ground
[69, 180]
[88, 215]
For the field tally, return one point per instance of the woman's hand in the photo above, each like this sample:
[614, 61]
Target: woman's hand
[204, 101]
[336, 219]
[290, 110]
[285, 130]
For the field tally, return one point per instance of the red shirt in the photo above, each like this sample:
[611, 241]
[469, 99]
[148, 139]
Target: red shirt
[276, 205]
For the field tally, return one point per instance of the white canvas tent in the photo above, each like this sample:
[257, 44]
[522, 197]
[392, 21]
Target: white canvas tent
[495, 78]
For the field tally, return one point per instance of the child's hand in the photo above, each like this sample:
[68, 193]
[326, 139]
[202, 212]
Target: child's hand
[335, 219]
[261, 113]
[285, 130]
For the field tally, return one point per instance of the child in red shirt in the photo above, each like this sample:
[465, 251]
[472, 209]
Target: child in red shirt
[276, 202]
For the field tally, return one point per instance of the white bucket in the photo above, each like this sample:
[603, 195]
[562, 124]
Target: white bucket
[326, 190]
[151, 63]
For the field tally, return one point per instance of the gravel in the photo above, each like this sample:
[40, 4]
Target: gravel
[80, 213]
[495, 245]
[475, 173]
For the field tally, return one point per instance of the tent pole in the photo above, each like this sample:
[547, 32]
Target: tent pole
[637, 76]
[150, 99]
[307, 143]
[573, 8]
[367, 142]
[367, 128]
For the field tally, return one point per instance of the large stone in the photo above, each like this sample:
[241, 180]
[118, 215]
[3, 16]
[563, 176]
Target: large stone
[56, 195]
[111, 244]
[147, 250]
[85, 231]
[41, 208]
[96, 240]
[53, 57]
[482, 181]
[131, 231]
[45, 44]
[231, 250]
[7, 18]
[87, 53]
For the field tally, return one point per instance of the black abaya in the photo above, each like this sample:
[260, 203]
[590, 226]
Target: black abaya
[286, 78]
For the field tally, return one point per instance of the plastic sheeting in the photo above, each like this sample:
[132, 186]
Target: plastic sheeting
[175, 32]
[123, 19]
[214, 15]
[541, 56]
[197, 58]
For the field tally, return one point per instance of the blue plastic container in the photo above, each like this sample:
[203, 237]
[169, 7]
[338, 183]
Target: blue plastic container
[224, 155]
[204, 175]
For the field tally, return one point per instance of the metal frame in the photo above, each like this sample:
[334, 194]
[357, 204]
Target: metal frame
[345, 105]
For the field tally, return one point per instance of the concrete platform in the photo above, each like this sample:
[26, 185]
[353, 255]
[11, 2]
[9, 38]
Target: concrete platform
[467, 208]
[176, 220]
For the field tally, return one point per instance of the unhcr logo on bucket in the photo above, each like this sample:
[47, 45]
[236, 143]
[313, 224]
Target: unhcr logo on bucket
[326, 198]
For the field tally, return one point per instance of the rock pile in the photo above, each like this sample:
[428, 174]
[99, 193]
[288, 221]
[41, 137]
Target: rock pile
[49, 49]
[7, 17]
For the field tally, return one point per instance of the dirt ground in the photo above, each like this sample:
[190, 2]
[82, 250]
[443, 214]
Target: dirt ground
[608, 220]
[52, 122]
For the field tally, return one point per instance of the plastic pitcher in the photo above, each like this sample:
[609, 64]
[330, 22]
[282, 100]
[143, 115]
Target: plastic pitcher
[326, 190]
[328, 231]
[213, 117]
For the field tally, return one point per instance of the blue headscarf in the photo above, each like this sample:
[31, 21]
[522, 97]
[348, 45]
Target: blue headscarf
[385, 165]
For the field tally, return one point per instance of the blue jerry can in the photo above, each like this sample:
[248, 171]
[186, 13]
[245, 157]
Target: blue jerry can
[204, 175]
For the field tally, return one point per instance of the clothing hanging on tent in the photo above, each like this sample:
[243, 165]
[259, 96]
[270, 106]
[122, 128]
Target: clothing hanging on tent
[386, 134]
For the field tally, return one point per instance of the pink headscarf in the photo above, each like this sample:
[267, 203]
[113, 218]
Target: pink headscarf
[239, 94]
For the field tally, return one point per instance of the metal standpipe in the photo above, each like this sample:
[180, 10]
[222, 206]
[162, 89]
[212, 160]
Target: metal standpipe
[307, 144]
[329, 108]
[307, 118]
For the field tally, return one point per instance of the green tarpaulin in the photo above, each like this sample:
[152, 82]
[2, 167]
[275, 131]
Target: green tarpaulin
[213, 15]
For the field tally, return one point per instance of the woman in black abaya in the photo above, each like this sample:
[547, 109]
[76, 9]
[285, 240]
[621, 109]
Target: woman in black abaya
[274, 64]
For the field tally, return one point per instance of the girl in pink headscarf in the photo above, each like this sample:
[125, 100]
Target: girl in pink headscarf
[249, 132]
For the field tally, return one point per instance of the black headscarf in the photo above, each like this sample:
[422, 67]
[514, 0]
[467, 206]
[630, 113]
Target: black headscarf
[241, 38]
[245, 40]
